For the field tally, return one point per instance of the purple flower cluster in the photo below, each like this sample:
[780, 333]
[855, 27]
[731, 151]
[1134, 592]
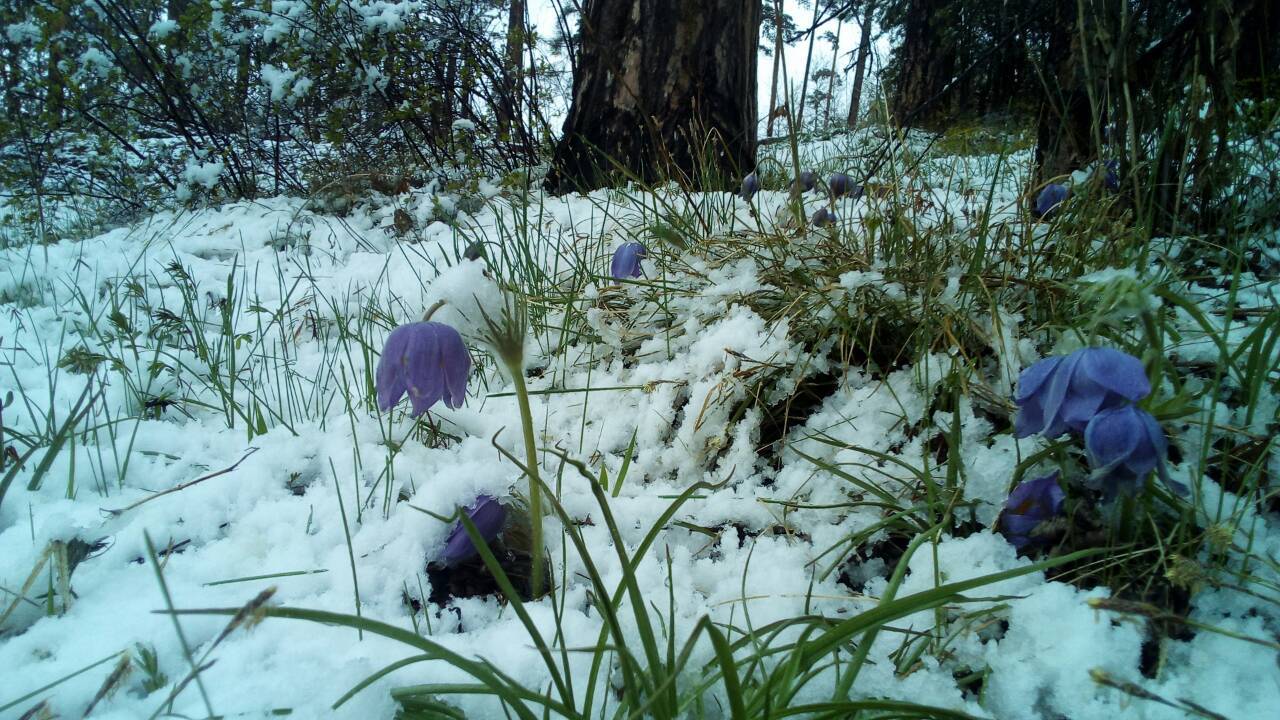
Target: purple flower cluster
[1093, 391]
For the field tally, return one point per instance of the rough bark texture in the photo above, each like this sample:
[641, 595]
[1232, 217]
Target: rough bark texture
[664, 88]
[928, 65]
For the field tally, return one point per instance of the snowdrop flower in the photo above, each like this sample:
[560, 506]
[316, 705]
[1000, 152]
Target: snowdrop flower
[489, 517]
[1124, 444]
[1064, 393]
[750, 186]
[427, 360]
[823, 217]
[1030, 504]
[626, 261]
[806, 181]
[1052, 196]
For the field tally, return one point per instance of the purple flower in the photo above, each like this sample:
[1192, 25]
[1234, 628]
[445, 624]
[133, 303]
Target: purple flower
[1124, 444]
[474, 251]
[806, 181]
[823, 217]
[1029, 505]
[1112, 179]
[427, 360]
[841, 184]
[488, 515]
[1061, 393]
[750, 186]
[626, 260]
[1052, 196]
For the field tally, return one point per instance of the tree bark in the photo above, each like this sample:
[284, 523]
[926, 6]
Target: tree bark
[509, 113]
[926, 68]
[831, 81]
[859, 73]
[1064, 133]
[664, 89]
[777, 63]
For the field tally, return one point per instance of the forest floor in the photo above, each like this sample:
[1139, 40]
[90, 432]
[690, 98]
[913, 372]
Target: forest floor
[192, 422]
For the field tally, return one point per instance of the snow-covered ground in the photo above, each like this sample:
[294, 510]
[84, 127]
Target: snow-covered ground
[243, 338]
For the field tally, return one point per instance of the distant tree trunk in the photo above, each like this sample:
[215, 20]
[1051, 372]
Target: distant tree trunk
[926, 67]
[1064, 133]
[664, 88]
[859, 73]
[777, 63]
[509, 113]
[831, 81]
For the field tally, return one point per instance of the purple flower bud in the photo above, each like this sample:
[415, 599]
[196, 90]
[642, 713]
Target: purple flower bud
[1112, 179]
[427, 360]
[626, 261]
[1060, 393]
[1124, 444]
[840, 184]
[750, 186]
[807, 180]
[823, 217]
[474, 251]
[1050, 198]
[489, 517]
[1029, 505]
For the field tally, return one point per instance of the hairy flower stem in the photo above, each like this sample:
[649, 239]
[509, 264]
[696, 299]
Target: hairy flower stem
[535, 487]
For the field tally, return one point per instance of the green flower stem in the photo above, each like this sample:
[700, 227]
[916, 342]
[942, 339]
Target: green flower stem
[535, 487]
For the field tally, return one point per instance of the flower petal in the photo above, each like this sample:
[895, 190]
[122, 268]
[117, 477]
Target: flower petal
[1032, 378]
[1113, 436]
[389, 379]
[1054, 393]
[1118, 372]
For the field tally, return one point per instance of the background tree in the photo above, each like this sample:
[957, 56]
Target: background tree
[663, 88]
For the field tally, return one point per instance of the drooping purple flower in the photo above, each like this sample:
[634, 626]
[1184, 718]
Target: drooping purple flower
[489, 516]
[1112, 178]
[840, 184]
[1064, 393]
[1049, 199]
[750, 186]
[806, 181]
[626, 261]
[1124, 445]
[427, 360]
[822, 218]
[1030, 504]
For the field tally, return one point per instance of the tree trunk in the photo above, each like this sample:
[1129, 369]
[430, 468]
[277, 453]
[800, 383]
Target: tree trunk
[831, 81]
[509, 112]
[1064, 131]
[859, 73]
[777, 63]
[925, 69]
[664, 89]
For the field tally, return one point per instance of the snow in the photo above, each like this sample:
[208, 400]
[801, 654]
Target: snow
[310, 297]
[162, 29]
